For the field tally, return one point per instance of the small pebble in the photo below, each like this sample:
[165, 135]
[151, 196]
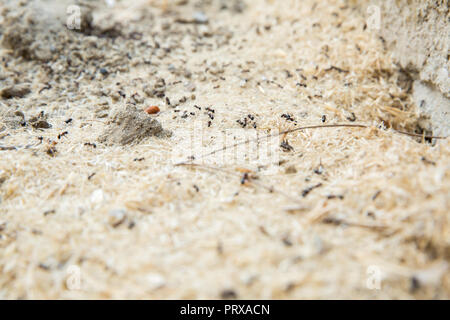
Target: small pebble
[103, 71]
[97, 196]
[200, 17]
[228, 294]
[155, 281]
[117, 217]
[16, 91]
[291, 170]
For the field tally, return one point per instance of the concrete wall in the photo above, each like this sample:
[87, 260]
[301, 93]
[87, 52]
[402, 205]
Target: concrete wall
[417, 32]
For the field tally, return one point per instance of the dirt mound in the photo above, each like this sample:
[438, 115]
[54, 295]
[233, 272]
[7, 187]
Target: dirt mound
[131, 125]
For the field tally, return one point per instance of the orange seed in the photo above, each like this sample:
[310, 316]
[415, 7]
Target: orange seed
[152, 109]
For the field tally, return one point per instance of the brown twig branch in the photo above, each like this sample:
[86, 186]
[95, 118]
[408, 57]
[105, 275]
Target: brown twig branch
[300, 129]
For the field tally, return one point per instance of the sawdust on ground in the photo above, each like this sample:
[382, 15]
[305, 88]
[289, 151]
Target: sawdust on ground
[92, 205]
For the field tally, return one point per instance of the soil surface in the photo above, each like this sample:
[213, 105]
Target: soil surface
[114, 184]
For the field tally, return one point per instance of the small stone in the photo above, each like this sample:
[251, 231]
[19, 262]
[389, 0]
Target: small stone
[97, 196]
[228, 294]
[155, 281]
[104, 71]
[14, 119]
[40, 121]
[165, 26]
[319, 170]
[117, 217]
[291, 170]
[200, 17]
[41, 124]
[16, 91]
[205, 31]
[171, 68]
[190, 86]
[110, 3]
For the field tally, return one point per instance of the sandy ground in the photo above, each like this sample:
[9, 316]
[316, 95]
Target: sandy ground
[93, 205]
